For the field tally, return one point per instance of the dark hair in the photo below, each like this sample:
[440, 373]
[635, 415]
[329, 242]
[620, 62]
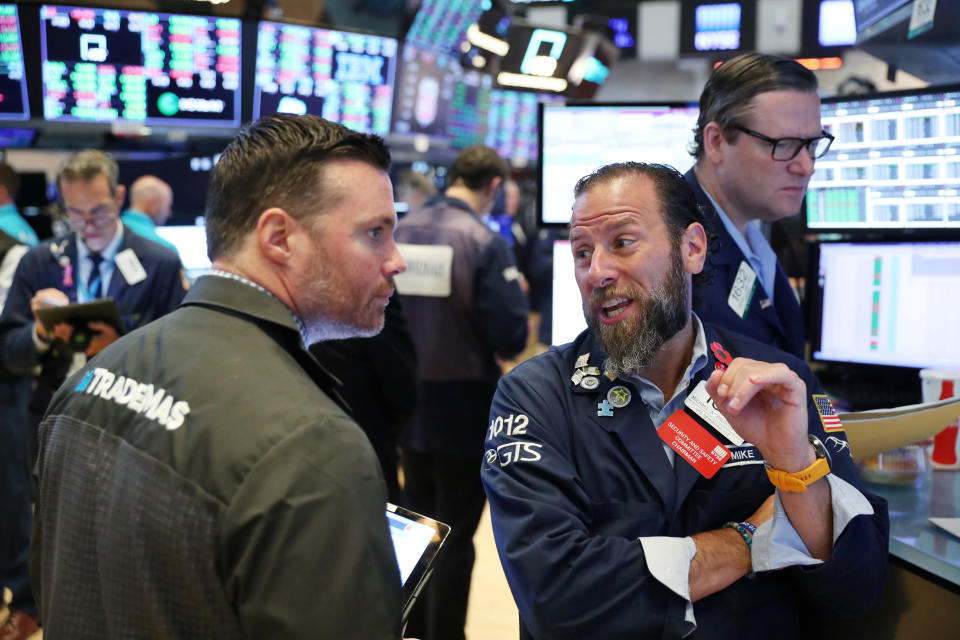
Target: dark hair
[84, 166]
[732, 86]
[277, 161]
[678, 204]
[476, 166]
[10, 180]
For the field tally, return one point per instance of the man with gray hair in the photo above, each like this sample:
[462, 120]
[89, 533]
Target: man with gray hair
[96, 259]
[201, 477]
[755, 144]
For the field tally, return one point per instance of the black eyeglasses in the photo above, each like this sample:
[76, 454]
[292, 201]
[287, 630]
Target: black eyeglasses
[788, 148]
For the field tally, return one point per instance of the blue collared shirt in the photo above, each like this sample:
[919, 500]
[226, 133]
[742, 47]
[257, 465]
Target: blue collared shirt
[758, 252]
[85, 265]
[13, 223]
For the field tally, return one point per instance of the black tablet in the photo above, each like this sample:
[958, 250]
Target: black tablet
[78, 315]
[416, 541]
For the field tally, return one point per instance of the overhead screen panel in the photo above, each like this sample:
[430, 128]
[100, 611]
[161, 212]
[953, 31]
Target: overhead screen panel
[895, 163]
[441, 25]
[344, 77]
[105, 65]
[425, 91]
[506, 121]
[577, 139]
[13, 84]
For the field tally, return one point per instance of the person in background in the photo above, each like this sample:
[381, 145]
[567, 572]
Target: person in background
[11, 222]
[413, 189]
[151, 203]
[97, 259]
[755, 144]
[616, 512]
[14, 446]
[464, 308]
[200, 477]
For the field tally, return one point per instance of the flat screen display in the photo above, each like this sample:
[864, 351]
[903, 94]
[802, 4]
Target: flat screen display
[425, 90]
[191, 244]
[577, 139]
[893, 304]
[868, 12]
[505, 121]
[512, 124]
[836, 26]
[342, 76]
[13, 82]
[106, 65]
[894, 165]
[567, 306]
[441, 25]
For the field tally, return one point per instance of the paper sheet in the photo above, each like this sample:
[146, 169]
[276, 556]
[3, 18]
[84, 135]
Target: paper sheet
[949, 524]
[873, 432]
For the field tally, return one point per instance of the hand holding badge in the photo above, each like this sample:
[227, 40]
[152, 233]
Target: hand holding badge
[766, 403]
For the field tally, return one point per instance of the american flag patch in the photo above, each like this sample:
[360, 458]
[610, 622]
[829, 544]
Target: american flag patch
[828, 416]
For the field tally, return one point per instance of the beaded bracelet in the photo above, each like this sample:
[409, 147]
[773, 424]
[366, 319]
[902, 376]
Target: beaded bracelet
[743, 530]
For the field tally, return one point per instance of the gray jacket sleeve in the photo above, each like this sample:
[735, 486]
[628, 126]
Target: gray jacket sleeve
[306, 546]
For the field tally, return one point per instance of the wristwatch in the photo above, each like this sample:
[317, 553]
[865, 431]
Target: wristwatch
[799, 480]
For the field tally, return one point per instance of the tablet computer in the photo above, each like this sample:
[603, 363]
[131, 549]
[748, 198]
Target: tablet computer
[416, 541]
[78, 315]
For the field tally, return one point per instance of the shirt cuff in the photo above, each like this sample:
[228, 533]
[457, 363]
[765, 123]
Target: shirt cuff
[40, 345]
[668, 560]
[776, 543]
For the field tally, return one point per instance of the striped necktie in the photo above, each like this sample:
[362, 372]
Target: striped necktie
[95, 279]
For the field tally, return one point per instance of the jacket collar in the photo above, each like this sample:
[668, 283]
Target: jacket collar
[633, 426]
[237, 298]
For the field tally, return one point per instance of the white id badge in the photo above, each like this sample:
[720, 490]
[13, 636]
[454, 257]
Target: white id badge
[700, 402]
[741, 293]
[130, 268]
[429, 270]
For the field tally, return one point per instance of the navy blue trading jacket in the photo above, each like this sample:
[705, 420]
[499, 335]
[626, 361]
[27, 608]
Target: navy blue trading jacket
[571, 491]
[779, 324]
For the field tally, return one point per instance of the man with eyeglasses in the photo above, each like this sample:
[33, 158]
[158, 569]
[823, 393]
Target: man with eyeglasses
[97, 259]
[755, 144]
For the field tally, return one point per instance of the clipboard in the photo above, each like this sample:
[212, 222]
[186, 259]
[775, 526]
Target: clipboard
[78, 315]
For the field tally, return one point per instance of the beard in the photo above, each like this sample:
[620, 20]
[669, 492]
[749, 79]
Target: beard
[332, 310]
[632, 345]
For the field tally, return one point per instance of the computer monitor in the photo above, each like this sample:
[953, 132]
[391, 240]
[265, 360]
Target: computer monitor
[576, 139]
[566, 310]
[343, 76]
[13, 82]
[191, 244]
[106, 65]
[894, 165]
[425, 88]
[893, 304]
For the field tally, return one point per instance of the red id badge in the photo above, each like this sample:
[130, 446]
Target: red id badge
[693, 443]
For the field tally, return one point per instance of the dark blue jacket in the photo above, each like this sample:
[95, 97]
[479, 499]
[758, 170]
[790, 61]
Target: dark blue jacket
[779, 324]
[458, 337]
[570, 492]
[42, 267]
